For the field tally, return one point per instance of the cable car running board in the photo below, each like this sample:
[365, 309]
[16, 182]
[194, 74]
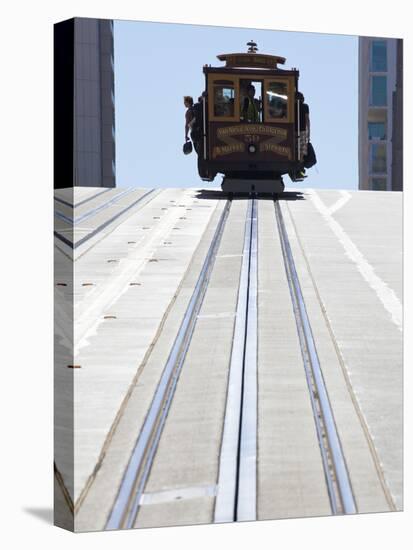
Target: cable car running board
[232, 185]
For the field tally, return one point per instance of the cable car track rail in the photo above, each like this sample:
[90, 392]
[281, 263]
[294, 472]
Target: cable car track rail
[126, 506]
[338, 482]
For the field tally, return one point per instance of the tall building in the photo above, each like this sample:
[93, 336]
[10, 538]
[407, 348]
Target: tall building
[84, 110]
[380, 113]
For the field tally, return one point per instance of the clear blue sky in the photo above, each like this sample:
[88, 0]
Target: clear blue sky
[156, 64]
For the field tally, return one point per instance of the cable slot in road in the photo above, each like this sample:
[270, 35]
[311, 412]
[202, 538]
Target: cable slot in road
[236, 490]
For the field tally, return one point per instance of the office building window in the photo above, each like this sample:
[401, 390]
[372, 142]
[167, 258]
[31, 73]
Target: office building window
[379, 184]
[378, 91]
[378, 57]
[378, 158]
[377, 130]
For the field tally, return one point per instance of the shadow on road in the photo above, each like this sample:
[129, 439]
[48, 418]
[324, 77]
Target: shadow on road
[291, 196]
[220, 195]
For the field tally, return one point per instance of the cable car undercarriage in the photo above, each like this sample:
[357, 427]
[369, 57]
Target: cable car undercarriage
[251, 186]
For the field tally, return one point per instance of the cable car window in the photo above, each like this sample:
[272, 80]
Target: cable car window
[277, 100]
[250, 100]
[224, 98]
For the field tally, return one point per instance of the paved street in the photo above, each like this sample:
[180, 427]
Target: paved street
[125, 275]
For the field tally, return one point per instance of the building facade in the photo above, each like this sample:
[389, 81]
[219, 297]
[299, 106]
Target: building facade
[84, 104]
[380, 114]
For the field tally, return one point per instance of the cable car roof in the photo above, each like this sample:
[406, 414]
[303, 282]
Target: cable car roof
[251, 60]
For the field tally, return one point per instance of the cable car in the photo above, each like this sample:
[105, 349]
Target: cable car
[250, 123]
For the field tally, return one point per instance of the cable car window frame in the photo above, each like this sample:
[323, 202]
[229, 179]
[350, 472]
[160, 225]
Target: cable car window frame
[266, 80]
[212, 82]
[290, 105]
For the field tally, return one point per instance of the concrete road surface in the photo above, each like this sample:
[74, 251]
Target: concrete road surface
[127, 262]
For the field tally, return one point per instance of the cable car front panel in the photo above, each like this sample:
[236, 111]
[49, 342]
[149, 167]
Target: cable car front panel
[254, 135]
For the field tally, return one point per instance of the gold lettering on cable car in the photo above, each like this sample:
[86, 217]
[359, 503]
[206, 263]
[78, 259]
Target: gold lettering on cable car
[251, 133]
[260, 129]
[221, 150]
[274, 148]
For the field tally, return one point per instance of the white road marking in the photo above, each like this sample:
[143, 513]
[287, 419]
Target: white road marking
[178, 494]
[385, 294]
[345, 197]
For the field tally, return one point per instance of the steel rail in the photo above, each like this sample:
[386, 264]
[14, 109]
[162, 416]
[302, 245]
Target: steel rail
[236, 490]
[335, 469]
[81, 241]
[95, 210]
[126, 506]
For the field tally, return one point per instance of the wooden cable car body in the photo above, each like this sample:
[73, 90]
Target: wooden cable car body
[252, 153]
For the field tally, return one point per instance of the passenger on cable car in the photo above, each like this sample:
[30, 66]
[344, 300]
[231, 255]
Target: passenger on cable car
[307, 152]
[188, 102]
[250, 110]
[196, 124]
[277, 107]
[304, 124]
[223, 105]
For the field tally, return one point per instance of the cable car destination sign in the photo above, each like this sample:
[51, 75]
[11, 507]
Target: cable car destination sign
[268, 139]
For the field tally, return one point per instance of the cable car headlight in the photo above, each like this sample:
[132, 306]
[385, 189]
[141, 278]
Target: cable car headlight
[251, 148]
